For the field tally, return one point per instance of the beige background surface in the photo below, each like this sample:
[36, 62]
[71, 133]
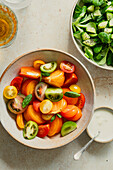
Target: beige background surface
[45, 24]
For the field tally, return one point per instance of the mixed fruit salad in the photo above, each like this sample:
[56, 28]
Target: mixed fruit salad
[93, 28]
[45, 99]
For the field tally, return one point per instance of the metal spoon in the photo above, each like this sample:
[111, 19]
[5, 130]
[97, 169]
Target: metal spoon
[79, 153]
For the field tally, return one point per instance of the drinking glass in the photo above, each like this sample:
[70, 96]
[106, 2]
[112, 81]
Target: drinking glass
[16, 4]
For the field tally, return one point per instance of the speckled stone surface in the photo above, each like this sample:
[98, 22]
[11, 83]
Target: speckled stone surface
[45, 24]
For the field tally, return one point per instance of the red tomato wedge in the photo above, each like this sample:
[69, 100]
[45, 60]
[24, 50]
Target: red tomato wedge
[30, 72]
[17, 82]
[77, 116]
[67, 67]
[69, 111]
[81, 101]
[43, 130]
[58, 106]
[36, 105]
[70, 79]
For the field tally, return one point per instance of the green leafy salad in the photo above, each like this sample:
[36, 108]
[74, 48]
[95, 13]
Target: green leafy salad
[93, 27]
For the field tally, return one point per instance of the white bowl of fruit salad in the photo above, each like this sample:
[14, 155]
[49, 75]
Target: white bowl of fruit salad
[47, 98]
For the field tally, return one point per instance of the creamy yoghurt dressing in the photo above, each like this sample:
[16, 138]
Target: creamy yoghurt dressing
[102, 121]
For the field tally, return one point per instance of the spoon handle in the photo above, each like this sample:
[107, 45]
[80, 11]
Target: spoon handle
[79, 153]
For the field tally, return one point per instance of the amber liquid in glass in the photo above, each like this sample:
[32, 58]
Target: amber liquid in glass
[5, 27]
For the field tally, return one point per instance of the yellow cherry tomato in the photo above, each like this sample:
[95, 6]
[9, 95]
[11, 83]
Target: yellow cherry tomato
[10, 92]
[38, 63]
[46, 117]
[75, 88]
[46, 106]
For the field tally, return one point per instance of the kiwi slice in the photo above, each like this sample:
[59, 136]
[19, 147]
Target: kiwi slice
[68, 127]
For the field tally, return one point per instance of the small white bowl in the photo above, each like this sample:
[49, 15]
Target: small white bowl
[79, 47]
[85, 82]
[102, 121]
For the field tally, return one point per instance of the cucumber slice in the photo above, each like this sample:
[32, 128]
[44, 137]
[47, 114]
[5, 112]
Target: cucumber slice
[91, 27]
[109, 16]
[93, 35]
[89, 42]
[90, 8]
[111, 23]
[102, 24]
[77, 34]
[112, 36]
[68, 127]
[108, 30]
[109, 9]
[87, 55]
[85, 36]
[89, 52]
[97, 13]
[109, 3]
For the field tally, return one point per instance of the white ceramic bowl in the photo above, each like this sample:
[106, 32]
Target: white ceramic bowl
[85, 82]
[79, 47]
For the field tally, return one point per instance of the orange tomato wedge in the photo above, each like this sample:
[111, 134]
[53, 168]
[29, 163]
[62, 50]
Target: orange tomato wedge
[77, 116]
[56, 78]
[20, 121]
[55, 126]
[25, 83]
[30, 88]
[58, 106]
[38, 63]
[31, 114]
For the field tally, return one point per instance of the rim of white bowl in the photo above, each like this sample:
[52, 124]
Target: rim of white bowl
[76, 44]
[93, 87]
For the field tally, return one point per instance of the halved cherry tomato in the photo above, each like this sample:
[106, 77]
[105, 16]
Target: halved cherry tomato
[20, 121]
[67, 67]
[46, 106]
[43, 130]
[30, 72]
[40, 91]
[70, 100]
[75, 88]
[17, 82]
[55, 126]
[25, 83]
[47, 117]
[69, 111]
[10, 92]
[36, 105]
[38, 63]
[58, 106]
[70, 79]
[81, 101]
[31, 114]
[77, 116]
